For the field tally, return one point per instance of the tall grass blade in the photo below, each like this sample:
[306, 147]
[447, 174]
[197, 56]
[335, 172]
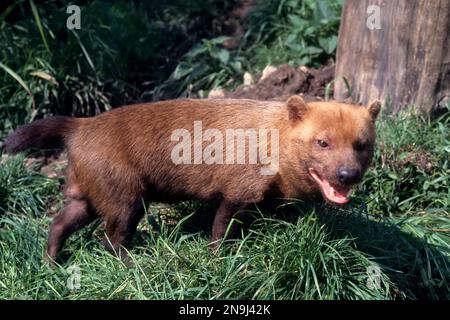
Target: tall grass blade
[20, 81]
[8, 10]
[86, 54]
[39, 24]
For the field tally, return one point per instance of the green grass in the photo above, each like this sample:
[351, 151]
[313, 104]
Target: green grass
[314, 252]
[412, 165]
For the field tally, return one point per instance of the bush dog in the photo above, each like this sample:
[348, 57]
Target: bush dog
[120, 159]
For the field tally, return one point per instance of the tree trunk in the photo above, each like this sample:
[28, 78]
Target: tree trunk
[404, 60]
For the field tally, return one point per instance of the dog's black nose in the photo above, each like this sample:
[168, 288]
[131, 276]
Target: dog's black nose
[348, 175]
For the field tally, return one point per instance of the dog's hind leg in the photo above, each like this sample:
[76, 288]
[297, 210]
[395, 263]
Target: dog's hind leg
[75, 215]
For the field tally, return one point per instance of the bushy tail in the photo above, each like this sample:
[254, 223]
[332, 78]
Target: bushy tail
[46, 133]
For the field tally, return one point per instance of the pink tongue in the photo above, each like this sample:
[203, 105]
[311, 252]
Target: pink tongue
[332, 194]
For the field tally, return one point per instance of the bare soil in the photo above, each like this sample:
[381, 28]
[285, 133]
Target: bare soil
[286, 81]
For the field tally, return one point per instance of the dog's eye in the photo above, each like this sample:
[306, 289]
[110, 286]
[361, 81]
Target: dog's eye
[322, 143]
[359, 146]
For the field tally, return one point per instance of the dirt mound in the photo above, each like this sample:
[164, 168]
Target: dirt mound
[284, 81]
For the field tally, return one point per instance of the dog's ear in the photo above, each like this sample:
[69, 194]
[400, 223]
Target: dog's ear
[374, 109]
[297, 108]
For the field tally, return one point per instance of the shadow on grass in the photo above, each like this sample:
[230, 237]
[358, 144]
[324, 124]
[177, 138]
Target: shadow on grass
[419, 268]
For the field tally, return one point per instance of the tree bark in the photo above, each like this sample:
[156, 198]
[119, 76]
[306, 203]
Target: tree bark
[404, 62]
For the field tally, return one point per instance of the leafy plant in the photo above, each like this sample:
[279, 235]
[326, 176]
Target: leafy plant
[294, 32]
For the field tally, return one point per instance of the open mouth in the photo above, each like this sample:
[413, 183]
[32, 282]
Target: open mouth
[336, 195]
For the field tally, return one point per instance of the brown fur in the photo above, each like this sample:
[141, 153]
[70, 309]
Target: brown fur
[121, 158]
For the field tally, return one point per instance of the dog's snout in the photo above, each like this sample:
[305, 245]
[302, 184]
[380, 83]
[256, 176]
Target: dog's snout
[348, 175]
